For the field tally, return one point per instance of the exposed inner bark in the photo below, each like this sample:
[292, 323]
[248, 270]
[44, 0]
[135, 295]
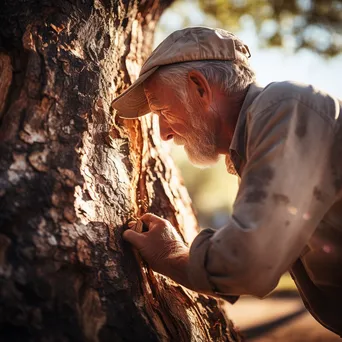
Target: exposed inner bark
[72, 175]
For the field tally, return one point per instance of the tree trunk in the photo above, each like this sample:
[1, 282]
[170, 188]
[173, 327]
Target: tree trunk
[72, 175]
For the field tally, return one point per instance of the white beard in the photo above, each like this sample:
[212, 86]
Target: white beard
[200, 144]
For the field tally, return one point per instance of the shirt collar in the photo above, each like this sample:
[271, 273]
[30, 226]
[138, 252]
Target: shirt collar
[238, 141]
[237, 149]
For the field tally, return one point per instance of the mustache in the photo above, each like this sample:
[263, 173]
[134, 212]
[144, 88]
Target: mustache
[179, 140]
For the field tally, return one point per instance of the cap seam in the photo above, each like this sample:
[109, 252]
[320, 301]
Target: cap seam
[235, 49]
[198, 46]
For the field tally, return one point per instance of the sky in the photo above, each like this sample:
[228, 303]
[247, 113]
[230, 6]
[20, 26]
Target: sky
[270, 64]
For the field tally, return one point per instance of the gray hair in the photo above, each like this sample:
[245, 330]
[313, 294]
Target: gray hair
[230, 76]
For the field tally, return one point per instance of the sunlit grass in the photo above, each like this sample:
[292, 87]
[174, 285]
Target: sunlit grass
[286, 283]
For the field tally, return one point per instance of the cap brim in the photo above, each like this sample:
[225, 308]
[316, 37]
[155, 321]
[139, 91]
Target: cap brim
[132, 103]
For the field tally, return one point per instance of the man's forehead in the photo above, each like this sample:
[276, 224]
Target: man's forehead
[151, 99]
[151, 90]
[152, 84]
[150, 95]
[159, 94]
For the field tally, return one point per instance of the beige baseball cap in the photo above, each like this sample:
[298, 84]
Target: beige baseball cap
[186, 45]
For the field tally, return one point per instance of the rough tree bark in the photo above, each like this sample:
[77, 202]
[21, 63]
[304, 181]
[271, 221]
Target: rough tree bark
[72, 175]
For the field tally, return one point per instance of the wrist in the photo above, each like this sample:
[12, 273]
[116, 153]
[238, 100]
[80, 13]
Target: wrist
[178, 268]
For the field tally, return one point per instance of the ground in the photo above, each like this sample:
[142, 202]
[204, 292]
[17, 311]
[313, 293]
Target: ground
[278, 318]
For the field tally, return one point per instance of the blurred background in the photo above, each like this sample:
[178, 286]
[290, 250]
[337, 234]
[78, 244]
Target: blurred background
[299, 40]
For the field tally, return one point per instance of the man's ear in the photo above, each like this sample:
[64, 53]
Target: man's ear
[199, 87]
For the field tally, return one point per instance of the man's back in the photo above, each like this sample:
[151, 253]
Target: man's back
[318, 272]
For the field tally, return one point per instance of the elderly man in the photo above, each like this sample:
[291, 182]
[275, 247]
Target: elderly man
[285, 143]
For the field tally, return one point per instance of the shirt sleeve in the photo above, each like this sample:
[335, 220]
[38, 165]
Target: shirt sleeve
[285, 190]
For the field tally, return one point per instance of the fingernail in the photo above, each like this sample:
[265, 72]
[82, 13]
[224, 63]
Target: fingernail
[131, 224]
[136, 225]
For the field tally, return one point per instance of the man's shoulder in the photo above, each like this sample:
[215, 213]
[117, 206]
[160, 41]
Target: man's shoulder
[277, 92]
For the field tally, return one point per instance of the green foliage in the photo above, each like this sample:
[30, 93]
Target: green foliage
[312, 24]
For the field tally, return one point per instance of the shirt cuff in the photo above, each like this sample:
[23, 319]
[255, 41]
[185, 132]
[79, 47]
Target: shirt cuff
[197, 272]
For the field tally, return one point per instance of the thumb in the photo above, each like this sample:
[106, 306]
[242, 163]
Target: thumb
[135, 238]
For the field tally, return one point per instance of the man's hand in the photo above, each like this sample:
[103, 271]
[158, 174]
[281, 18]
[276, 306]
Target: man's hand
[161, 247]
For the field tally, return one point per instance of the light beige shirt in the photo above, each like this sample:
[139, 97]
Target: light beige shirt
[287, 148]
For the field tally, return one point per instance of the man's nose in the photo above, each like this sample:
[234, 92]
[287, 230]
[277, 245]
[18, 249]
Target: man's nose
[166, 133]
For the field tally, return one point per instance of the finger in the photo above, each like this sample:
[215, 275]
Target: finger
[136, 239]
[151, 220]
